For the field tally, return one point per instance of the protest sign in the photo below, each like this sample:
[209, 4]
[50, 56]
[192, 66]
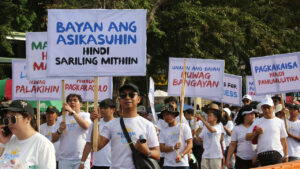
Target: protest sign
[151, 99]
[36, 55]
[276, 74]
[204, 77]
[25, 89]
[250, 89]
[85, 88]
[96, 42]
[232, 90]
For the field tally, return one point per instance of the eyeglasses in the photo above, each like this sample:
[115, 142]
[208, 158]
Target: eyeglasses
[12, 119]
[245, 101]
[124, 95]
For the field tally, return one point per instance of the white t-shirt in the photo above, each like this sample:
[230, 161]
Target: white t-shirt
[227, 138]
[211, 142]
[121, 155]
[274, 130]
[183, 119]
[169, 136]
[293, 145]
[161, 124]
[245, 149]
[103, 156]
[35, 152]
[73, 141]
[46, 131]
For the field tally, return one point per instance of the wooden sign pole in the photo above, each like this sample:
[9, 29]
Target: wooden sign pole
[87, 107]
[64, 101]
[283, 107]
[182, 99]
[38, 115]
[95, 124]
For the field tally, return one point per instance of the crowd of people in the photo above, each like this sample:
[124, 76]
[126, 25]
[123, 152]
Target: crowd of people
[214, 138]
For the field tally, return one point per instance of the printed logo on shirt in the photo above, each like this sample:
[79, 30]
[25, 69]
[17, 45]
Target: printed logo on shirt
[209, 134]
[48, 135]
[72, 125]
[122, 136]
[174, 136]
[12, 155]
[33, 167]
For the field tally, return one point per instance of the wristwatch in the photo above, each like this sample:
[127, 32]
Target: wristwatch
[72, 113]
[82, 162]
[58, 131]
[285, 156]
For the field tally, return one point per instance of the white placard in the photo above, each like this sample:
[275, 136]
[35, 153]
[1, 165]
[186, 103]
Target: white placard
[96, 42]
[204, 77]
[276, 74]
[151, 99]
[49, 89]
[250, 89]
[232, 90]
[85, 88]
[36, 55]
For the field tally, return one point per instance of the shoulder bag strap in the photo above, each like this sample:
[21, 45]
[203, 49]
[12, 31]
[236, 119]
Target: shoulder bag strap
[126, 134]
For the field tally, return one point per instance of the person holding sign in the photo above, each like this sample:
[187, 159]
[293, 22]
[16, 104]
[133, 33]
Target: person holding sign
[245, 150]
[73, 140]
[211, 135]
[46, 128]
[141, 131]
[102, 158]
[25, 147]
[169, 143]
[293, 132]
[271, 143]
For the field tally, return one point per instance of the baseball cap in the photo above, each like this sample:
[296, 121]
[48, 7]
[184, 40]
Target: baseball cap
[20, 106]
[227, 110]
[52, 109]
[247, 97]
[278, 108]
[129, 86]
[267, 101]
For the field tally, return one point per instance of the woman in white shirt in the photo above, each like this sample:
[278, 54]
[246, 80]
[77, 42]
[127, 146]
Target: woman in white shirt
[245, 150]
[25, 147]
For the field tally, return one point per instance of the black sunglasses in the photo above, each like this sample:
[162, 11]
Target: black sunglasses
[124, 95]
[12, 119]
[245, 101]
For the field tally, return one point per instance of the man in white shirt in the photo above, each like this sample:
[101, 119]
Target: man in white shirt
[271, 143]
[293, 132]
[121, 154]
[101, 158]
[176, 151]
[46, 128]
[76, 127]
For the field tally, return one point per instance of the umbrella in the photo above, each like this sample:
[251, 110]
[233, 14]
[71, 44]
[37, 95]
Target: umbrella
[44, 104]
[6, 89]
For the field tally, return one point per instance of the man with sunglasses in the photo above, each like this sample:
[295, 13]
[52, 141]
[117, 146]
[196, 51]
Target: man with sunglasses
[246, 100]
[136, 126]
[72, 141]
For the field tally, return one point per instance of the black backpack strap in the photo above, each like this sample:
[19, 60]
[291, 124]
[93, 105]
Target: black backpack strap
[126, 134]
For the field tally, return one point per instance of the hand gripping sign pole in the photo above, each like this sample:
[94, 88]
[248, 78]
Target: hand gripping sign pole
[283, 107]
[95, 124]
[64, 101]
[182, 100]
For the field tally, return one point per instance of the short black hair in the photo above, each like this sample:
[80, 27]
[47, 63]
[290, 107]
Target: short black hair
[107, 103]
[74, 95]
[216, 113]
[170, 99]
